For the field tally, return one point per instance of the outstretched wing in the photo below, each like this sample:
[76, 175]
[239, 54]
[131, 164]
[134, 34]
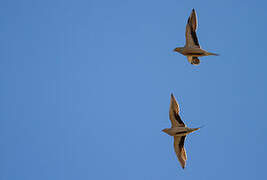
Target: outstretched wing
[190, 31]
[174, 113]
[180, 150]
[193, 60]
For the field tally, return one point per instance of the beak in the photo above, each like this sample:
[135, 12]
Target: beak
[174, 50]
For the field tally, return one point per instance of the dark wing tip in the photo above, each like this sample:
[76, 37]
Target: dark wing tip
[172, 97]
[193, 11]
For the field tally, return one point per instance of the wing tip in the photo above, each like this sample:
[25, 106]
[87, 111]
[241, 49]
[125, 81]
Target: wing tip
[183, 163]
[173, 97]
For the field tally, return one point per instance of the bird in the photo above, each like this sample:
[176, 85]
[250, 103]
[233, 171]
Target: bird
[178, 130]
[192, 49]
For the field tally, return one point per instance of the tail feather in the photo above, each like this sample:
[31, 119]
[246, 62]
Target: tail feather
[214, 54]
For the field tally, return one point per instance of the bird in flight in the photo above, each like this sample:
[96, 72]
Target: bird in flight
[178, 130]
[192, 49]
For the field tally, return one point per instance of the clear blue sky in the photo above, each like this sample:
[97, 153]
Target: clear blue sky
[86, 84]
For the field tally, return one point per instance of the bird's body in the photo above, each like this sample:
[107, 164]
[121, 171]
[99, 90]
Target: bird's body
[192, 48]
[178, 130]
[195, 52]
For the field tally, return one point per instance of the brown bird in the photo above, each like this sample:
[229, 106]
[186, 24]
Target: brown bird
[192, 48]
[178, 130]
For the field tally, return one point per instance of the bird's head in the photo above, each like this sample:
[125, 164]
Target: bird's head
[165, 130]
[178, 49]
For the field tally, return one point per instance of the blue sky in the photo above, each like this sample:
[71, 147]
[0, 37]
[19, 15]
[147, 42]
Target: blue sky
[85, 89]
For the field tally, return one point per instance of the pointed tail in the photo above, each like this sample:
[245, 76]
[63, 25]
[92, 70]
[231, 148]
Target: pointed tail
[195, 129]
[214, 54]
[201, 126]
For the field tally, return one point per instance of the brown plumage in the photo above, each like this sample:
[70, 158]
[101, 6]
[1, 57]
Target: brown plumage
[192, 49]
[178, 130]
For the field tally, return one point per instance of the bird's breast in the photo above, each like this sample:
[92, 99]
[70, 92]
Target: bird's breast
[193, 52]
